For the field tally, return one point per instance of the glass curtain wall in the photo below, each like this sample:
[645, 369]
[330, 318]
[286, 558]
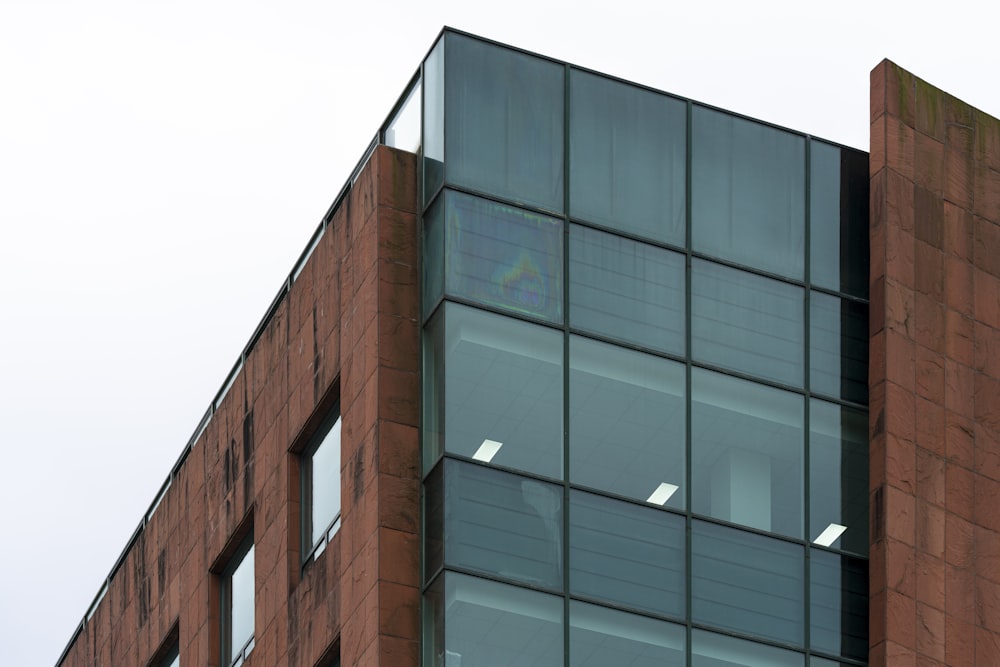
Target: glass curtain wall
[644, 435]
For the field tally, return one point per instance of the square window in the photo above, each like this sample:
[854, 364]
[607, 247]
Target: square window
[238, 605]
[321, 486]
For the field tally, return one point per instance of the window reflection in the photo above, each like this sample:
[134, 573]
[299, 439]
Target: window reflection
[838, 473]
[602, 636]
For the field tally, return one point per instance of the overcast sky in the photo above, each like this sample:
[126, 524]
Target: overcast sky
[162, 165]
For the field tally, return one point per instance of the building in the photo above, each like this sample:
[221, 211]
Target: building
[603, 377]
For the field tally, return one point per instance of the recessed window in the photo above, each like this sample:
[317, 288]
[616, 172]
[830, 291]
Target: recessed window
[172, 659]
[238, 606]
[321, 487]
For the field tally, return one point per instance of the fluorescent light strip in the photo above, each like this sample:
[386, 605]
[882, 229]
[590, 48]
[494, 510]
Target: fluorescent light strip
[487, 450]
[662, 494]
[830, 535]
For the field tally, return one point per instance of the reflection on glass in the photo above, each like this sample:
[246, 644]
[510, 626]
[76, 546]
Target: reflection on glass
[599, 637]
[747, 192]
[432, 518]
[838, 347]
[838, 594]
[504, 115]
[838, 473]
[433, 121]
[626, 553]
[627, 157]
[502, 524]
[838, 205]
[403, 131]
[747, 583]
[626, 290]
[493, 378]
[746, 453]
[711, 650]
[503, 256]
[486, 623]
[626, 422]
[747, 323]
[241, 599]
[324, 484]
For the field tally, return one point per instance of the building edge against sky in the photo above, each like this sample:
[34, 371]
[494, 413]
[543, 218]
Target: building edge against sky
[343, 338]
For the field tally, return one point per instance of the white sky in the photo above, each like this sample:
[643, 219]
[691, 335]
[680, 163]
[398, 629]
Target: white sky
[163, 164]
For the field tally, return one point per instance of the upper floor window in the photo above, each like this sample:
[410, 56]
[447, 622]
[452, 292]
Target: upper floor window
[238, 606]
[321, 486]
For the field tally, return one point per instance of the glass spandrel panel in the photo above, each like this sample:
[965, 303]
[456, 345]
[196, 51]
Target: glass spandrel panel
[838, 218]
[433, 259]
[747, 583]
[627, 157]
[433, 121]
[838, 347]
[712, 650]
[747, 323]
[487, 623]
[627, 416]
[626, 554]
[627, 290]
[599, 637]
[504, 123]
[838, 476]
[838, 596]
[496, 391]
[241, 612]
[747, 192]
[503, 524]
[747, 453]
[503, 256]
[324, 485]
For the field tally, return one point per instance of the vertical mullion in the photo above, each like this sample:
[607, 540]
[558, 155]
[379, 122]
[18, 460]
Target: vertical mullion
[566, 361]
[687, 382]
[806, 440]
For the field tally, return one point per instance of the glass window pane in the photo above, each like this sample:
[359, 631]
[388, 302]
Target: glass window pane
[747, 583]
[433, 381]
[433, 121]
[838, 204]
[746, 453]
[487, 623]
[711, 650]
[503, 524]
[838, 474]
[504, 123]
[503, 256]
[241, 610]
[403, 131]
[747, 323]
[626, 553]
[838, 594]
[747, 192]
[815, 661]
[627, 414]
[627, 290]
[838, 347]
[599, 637]
[502, 389]
[433, 522]
[324, 483]
[627, 155]
[433, 256]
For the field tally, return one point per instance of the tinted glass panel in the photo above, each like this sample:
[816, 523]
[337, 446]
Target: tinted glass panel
[748, 192]
[503, 256]
[626, 428]
[747, 583]
[626, 553]
[324, 482]
[838, 347]
[241, 611]
[433, 120]
[823, 662]
[503, 524]
[838, 202]
[746, 453]
[433, 256]
[433, 522]
[711, 650]
[627, 155]
[504, 116]
[599, 637]
[626, 290]
[838, 593]
[433, 381]
[838, 474]
[488, 624]
[747, 323]
[498, 390]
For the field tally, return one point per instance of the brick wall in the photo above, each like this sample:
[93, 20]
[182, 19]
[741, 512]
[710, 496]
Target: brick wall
[934, 376]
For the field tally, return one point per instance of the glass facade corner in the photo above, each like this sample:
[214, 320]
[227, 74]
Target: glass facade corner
[644, 376]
